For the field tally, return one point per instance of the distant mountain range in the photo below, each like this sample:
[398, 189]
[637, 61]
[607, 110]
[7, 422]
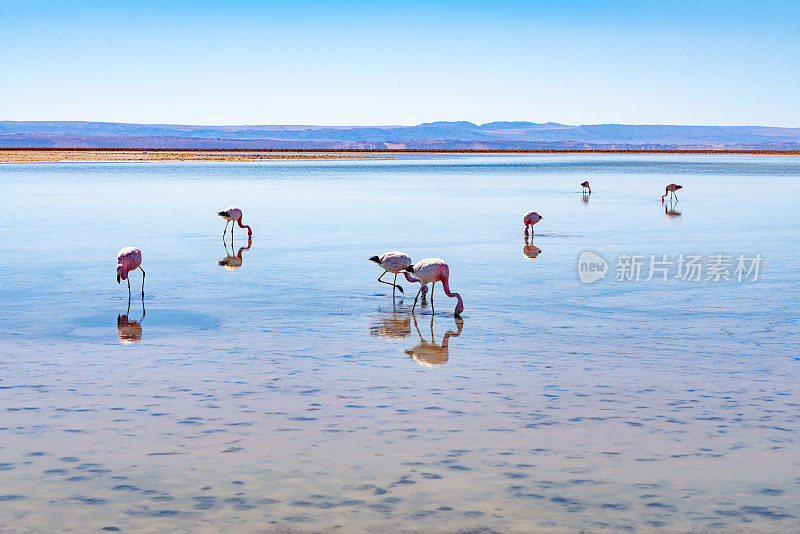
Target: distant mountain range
[431, 135]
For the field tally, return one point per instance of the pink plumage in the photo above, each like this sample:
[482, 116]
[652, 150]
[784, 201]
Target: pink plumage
[129, 259]
[396, 262]
[432, 270]
[670, 190]
[529, 219]
[234, 215]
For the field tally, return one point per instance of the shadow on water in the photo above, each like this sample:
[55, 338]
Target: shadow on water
[529, 250]
[231, 262]
[428, 353]
[128, 330]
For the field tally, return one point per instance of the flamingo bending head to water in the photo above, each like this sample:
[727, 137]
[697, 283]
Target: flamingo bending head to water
[129, 259]
[432, 270]
[234, 215]
[396, 262]
[585, 186]
[670, 190]
[530, 219]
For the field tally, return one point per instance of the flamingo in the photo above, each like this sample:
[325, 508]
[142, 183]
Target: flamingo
[435, 270]
[396, 262]
[234, 215]
[530, 219]
[129, 259]
[585, 185]
[670, 190]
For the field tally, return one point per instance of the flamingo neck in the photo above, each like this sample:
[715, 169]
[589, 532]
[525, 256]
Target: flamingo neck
[416, 281]
[446, 287]
[249, 231]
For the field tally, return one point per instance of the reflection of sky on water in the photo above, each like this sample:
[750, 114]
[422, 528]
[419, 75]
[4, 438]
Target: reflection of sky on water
[284, 392]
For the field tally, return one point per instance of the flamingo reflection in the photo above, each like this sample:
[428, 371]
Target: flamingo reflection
[429, 354]
[391, 325]
[128, 330]
[669, 210]
[530, 250]
[232, 263]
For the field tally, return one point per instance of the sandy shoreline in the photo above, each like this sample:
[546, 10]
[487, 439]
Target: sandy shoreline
[55, 156]
[40, 155]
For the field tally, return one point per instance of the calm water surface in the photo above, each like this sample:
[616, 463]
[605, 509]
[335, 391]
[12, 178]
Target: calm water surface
[285, 391]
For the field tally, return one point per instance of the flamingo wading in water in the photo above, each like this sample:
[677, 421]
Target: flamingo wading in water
[432, 270]
[670, 190]
[129, 259]
[585, 186]
[530, 219]
[396, 262]
[234, 215]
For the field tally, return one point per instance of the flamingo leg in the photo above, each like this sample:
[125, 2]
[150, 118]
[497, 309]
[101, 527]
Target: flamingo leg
[225, 231]
[140, 268]
[389, 283]
[129, 288]
[415, 301]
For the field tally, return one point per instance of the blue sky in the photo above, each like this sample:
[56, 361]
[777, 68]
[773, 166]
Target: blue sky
[239, 62]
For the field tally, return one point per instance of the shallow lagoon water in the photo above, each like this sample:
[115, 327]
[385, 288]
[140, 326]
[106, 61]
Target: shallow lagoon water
[290, 394]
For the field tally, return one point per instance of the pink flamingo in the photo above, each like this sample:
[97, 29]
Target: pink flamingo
[530, 219]
[396, 262]
[432, 270]
[129, 259]
[670, 190]
[233, 214]
[585, 185]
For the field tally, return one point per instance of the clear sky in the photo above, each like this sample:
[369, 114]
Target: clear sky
[372, 63]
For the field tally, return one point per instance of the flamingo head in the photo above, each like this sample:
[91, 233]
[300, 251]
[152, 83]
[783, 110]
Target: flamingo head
[458, 310]
[410, 268]
[376, 259]
[121, 273]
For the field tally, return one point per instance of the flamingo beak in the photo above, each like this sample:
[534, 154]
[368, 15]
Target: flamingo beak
[118, 278]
